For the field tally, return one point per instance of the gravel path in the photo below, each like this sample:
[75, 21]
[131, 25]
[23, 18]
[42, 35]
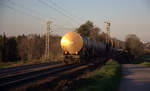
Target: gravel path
[135, 78]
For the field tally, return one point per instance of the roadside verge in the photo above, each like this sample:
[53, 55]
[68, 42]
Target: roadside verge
[106, 78]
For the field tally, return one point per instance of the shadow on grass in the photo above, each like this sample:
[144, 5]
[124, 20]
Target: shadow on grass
[141, 59]
[105, 79]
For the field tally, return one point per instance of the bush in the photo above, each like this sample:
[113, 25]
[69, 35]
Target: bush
[134, 46]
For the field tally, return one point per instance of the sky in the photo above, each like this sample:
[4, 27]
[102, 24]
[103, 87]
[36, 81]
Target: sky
[30, 16]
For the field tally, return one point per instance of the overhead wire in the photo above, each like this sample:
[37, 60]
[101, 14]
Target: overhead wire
[64, 10]
[58, 10]
[21, 12]
[16, 10]
[61, 27]
[29, 14]
[30, 10]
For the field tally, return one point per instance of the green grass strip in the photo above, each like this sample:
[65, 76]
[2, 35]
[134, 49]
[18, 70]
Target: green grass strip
[146, 63]
[106, 78]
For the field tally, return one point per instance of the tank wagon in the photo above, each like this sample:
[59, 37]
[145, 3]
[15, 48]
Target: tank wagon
[77, 47]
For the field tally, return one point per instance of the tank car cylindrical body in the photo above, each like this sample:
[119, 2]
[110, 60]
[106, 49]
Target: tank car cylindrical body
[77, 46]
[91, 48]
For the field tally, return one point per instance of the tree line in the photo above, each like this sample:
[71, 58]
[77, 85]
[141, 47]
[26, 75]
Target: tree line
[27, 47]
[132, 44]
[32, 46]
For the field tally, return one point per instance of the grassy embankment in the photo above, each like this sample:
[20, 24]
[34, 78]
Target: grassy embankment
[143, 60]
[106, 78]
[146, 60]
[146, 63]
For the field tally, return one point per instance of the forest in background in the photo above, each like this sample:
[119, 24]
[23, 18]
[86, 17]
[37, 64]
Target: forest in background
[28, 47]
[32, 47]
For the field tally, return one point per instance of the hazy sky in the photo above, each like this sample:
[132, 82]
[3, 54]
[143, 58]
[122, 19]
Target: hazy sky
[29, 16]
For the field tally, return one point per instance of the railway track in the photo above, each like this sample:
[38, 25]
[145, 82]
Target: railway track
[52, 73]
[16, 77]
[18, 69]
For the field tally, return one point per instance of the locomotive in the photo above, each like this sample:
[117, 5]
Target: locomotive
[78, 48]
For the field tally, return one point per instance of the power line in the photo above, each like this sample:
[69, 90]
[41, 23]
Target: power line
[29, 14]
[21, 12]
[60, 27]
[29, 10]
[24, 13]
[72, 15]
[51, 7]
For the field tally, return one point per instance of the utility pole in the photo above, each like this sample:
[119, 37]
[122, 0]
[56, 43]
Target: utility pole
[47, 40]
[30, 38]
[112, 43]
[108, 31]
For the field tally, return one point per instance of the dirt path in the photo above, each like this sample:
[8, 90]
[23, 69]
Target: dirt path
[135, 78]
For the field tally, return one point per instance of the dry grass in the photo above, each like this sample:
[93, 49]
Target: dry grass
[19, 63]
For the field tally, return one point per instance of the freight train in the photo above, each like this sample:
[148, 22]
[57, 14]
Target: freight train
[78, 48]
